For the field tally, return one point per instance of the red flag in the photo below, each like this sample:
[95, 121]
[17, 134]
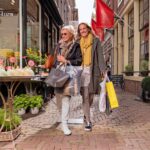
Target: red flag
[104, 15]
[98, 31]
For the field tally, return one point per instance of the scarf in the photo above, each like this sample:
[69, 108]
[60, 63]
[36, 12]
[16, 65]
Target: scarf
[86, 48]
[86, 42]
[66, 47]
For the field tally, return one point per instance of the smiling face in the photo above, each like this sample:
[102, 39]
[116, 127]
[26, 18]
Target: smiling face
[66, 36]
[83, 30]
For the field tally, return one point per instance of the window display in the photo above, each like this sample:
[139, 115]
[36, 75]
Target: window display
[9, 30]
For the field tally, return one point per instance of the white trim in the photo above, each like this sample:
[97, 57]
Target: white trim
[119, 2]
[20, 29]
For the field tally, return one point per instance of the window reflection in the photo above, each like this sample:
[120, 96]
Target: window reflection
[9, 29]
[144, 30]
[32, 24]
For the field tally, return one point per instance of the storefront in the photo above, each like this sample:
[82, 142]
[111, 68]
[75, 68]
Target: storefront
[28, 24]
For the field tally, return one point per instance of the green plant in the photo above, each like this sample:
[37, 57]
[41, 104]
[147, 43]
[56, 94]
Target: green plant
[129, 68]
[144, 65]
[9, 125]
[36, 101]
[146, 84]
[35, 55]
[21, 101]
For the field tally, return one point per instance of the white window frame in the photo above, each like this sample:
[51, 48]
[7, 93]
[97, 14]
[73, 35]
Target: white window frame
[119, 2]
[21, 34]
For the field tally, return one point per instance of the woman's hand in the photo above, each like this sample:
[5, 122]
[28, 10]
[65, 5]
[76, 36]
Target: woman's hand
[61, 58]
[103, 73]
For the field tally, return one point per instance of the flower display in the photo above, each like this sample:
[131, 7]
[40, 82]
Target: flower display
[1, 62]
[8, 67]
[31, 63]
[35, 55]
[12, 59]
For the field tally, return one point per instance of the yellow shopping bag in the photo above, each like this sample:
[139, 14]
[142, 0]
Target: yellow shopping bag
[111, 95]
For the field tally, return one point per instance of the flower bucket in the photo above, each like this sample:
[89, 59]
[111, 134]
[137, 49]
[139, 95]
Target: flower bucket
[34, 110]
[22, 111]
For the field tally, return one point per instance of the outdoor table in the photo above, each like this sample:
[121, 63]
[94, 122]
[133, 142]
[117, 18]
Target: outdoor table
[11, 83]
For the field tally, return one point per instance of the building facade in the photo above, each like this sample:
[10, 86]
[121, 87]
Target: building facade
[131, 40]
[67, 10]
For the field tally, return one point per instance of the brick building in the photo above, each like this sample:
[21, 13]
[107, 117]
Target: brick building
[131, 39]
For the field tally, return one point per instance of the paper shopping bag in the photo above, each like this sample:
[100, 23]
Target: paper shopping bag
[111, 95]
[102, 97]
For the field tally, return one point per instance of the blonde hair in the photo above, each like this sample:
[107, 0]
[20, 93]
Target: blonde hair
[70, 28]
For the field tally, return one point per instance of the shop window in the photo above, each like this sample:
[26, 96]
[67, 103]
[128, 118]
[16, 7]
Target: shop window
[131, 37]
[54, 35]
[46, 34]
[144, 13]
[9, 30]
[32, 24]
[144, 44]
[144, 30]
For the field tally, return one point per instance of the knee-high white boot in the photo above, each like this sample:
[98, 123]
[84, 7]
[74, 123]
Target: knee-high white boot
[65, 115]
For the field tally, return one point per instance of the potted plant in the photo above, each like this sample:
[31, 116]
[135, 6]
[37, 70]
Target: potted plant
[144, 68]
[36, 102]
[9, 125]
[145, 84]
[129, 70]
[21, 103]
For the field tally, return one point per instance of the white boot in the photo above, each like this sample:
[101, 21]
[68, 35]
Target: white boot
[65, 115]
[65, 129]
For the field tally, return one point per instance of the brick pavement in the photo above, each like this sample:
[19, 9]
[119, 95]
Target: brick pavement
[126, 128]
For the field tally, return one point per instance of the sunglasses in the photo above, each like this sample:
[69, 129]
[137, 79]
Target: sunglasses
[63, 34]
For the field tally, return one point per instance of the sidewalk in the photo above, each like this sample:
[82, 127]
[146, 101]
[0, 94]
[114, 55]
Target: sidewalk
[126, 128]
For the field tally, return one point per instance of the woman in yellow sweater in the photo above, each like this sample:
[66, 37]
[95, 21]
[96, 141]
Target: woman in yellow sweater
[93, 69]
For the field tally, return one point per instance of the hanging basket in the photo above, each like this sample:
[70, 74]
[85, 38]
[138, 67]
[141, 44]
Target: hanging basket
[10, 135]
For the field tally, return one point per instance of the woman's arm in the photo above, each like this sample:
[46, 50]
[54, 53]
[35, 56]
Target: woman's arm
[75, 56]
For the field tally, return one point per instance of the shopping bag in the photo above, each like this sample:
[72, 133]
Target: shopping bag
[57, 77]
[111, 95]
[49, 61]
[102, 98]
[72, 86]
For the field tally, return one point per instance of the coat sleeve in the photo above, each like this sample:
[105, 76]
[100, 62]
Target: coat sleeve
[76, 56]
[101, 61]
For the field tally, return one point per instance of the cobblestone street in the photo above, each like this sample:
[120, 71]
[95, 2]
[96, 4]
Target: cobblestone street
[126, 128]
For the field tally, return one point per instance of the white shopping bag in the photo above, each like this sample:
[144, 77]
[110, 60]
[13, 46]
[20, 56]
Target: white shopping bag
[102, 98]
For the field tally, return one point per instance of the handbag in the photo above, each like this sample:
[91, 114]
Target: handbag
[57, 77]
[49, 61]
[111, 95]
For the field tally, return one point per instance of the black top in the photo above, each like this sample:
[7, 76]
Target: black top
[74, 56]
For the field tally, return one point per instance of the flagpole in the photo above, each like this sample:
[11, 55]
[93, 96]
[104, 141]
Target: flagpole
[123, 20]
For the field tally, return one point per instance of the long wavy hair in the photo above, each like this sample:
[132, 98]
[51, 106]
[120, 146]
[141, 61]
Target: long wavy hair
[78, 30]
